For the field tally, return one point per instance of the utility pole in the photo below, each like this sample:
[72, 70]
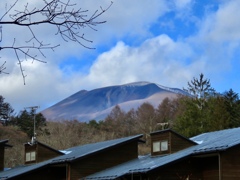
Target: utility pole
[33, 108]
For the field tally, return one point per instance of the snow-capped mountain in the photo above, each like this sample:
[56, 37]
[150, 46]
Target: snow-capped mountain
[98, 103]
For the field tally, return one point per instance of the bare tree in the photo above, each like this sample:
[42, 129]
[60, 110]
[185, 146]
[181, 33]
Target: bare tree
[57, 13]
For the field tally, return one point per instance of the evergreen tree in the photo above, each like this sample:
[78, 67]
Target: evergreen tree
[216, 113]
[6, 111]
[201, 89]
[25, 121]
[232, 104]
[217, 116]
[193, 117]
[190, 120]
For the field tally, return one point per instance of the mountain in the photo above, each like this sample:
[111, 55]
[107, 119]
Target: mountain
[98, 103]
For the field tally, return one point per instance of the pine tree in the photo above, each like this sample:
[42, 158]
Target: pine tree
[233, 107]
[6, 111]
[190, 121]
[201, 89]
[25, 121]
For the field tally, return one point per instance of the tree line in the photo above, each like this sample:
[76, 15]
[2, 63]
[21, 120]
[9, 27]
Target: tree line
[203, 110]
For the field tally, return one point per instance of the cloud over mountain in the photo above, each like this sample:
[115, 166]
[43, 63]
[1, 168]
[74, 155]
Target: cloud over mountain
[167, 42]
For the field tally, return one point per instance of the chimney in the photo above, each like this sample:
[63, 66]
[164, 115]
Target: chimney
[3, 145]
[167, 142]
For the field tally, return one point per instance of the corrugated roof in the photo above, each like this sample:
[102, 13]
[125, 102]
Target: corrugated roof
[5, 143]
[207, 143]
[217, 141]
[21, 170]
[74, 153]
[85, 150]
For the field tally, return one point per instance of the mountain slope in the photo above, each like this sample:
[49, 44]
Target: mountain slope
[97, 104]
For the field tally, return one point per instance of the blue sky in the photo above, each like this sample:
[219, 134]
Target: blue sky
[166, 42]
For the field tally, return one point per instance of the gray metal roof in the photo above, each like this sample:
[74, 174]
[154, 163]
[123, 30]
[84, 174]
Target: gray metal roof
[207, 143]
[4, 142]
[77, 152]
[72, 154]
[21, 170]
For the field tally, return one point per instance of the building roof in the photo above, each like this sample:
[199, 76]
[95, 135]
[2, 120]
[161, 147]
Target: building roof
[46, 146]
[78, 152]
[4, 142]
[70, 155]
[206, 143]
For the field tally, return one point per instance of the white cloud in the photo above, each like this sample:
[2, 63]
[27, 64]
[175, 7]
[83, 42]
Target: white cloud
[180, 4]
[218, 36]
[157, 59]
[222, 25]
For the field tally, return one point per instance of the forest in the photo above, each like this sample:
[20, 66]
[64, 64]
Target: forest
[203, 110]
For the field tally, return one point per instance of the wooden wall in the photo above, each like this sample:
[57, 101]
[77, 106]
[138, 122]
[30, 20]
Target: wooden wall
[230, 164]
[210, 167]
[175, 142]
[183, 170]
[44, 153]
[204, 168]
[1, 157]
[104, 160]
[162, 136]
[179, 143]
[29, 148]
[50, 173]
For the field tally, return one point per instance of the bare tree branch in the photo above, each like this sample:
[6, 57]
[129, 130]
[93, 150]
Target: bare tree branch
[3, 68]
[8, 10]
[57, 13]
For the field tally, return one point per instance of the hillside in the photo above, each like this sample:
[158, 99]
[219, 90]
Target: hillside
[97, 103]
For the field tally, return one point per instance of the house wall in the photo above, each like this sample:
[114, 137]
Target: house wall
[178, 143]
[29, 148]
[195, 168]
[210, 167]
[161, 137]
[44, 153]
[50, 173]
[182, 170]
[175, 142]
[103, 160]
[1, 157]
[230, 164]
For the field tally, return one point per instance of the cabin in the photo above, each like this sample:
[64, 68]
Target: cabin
[208, 156]
[3, 145]
[74, 163]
